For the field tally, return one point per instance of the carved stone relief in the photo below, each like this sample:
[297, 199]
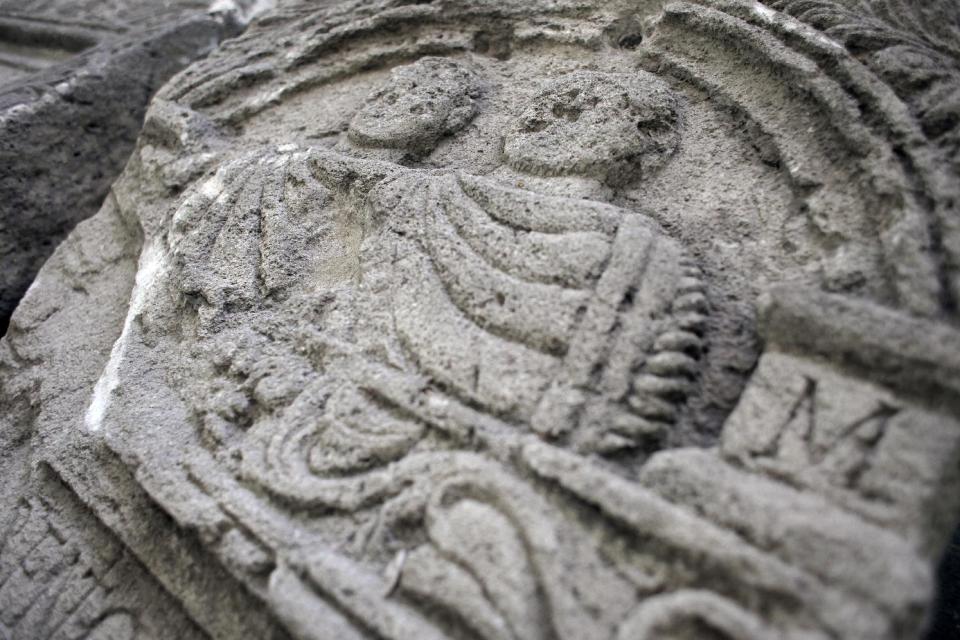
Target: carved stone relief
[554, 320]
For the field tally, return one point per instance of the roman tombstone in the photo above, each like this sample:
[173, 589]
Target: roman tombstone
[468, 319]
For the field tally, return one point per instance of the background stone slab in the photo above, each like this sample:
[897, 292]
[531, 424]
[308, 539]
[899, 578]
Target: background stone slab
[75, 79]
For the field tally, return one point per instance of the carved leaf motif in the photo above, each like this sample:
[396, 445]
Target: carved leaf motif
[878, 23]
[914, 46]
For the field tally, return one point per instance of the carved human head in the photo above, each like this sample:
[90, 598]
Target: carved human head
[614, 127]
[421, 103]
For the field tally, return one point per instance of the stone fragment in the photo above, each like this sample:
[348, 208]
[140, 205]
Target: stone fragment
[559, 320]
[75, 80]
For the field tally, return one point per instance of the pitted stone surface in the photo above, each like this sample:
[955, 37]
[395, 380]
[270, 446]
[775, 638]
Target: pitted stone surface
[613, 126]
[420, 104]
[75, 80]
[461, 319]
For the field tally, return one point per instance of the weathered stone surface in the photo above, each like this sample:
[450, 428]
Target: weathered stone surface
[75, 80]
[463, 319]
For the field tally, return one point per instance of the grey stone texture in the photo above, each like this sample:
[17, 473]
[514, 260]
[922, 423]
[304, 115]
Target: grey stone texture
[559, 320]
[75, 80]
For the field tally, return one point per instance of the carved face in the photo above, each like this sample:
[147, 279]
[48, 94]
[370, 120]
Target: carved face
[421, 103]
[614, 127]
